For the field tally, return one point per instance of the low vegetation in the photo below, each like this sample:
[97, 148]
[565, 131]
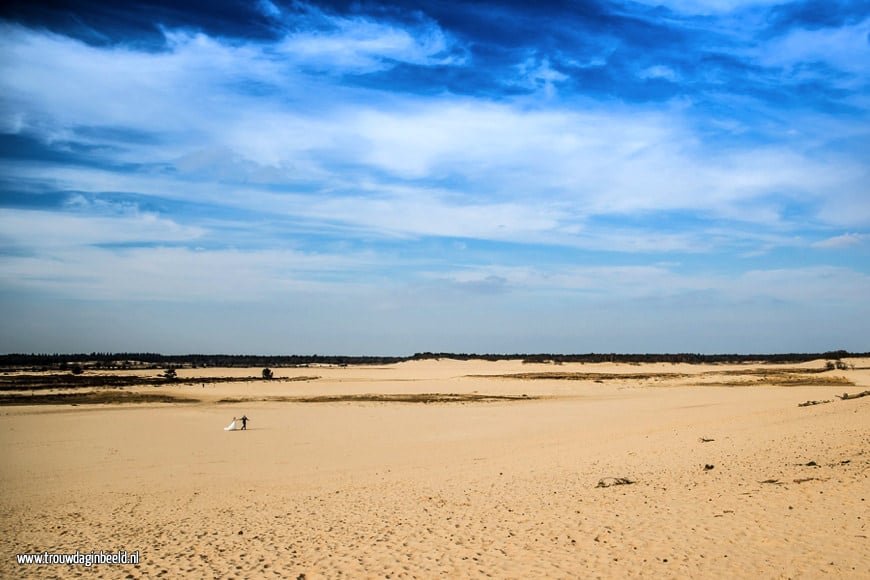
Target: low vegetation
[48, 381]
[784, 376]
[559, 376]
[425, 398]
[101, 397]
[787, 380]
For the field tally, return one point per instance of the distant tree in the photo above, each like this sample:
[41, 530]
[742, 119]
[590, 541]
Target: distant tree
[267, 374]
[836, 364]
[77, 369]
[170, 374]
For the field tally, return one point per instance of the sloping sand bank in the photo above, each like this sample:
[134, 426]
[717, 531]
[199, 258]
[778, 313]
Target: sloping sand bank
[731, 478]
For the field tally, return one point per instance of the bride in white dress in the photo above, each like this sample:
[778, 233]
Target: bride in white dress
[232, 426]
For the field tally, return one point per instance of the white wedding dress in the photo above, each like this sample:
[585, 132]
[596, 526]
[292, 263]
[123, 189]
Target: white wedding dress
[231, 427]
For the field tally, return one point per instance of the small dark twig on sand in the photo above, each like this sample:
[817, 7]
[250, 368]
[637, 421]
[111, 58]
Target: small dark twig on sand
[705, 440]
[610, 481]
[811, 403]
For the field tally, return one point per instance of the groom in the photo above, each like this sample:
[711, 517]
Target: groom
[244, 423]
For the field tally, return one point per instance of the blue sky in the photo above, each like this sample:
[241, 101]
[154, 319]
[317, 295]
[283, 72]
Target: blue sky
[385, 178]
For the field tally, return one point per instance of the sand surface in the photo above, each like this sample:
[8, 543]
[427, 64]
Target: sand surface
[506, 489]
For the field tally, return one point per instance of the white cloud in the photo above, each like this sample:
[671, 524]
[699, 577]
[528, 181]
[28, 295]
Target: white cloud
[268, 8]
[708, 6]
[71, 261]
[363, 45]
[413, 210]
[659, 72]
[53, 83]
[180, 273]
[420, 215]
[810, 286]
[537, 74]
[846, 240]
[314, 149]
[594, 282]
[845, 48]
[600, 161]
[35, 229]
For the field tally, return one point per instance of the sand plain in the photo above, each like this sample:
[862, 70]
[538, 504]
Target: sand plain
[731, 478]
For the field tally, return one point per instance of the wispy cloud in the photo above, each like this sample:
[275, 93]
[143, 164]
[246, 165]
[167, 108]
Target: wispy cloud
[41, 229]
[709, 6]
[180, 274]
[845, 49]
[360, 45]
[847, 240]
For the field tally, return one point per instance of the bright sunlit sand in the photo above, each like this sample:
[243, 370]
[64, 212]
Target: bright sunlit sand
[448, 468]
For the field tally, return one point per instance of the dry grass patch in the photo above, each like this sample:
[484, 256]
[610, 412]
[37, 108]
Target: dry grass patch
[51, 381]
[103, 397]
[424, 398]
[786, 380]
[557, 376]
[784, 376]
[765, 372]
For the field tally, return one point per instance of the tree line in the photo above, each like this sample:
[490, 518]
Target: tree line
[106, 360]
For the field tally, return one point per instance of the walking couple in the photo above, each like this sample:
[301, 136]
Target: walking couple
[234, 426]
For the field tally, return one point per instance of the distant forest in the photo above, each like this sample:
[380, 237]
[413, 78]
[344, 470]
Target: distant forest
[127, 360]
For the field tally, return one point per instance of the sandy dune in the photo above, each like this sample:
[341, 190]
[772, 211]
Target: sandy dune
[505, 489]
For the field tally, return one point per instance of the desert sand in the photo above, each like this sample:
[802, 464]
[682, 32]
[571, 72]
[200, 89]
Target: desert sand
[731, 478]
